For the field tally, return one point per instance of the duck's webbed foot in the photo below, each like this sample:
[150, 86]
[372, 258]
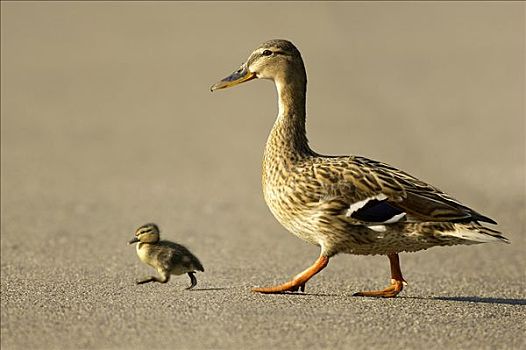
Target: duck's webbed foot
[397, 282]
[389, 292]
[298, 283]
[291, 286]
[193, 280]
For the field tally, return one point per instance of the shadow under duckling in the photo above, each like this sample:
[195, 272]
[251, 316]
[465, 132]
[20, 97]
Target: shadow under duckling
[168, 258]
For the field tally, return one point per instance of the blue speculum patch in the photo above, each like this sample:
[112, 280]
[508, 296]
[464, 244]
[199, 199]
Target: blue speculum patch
[376, 211]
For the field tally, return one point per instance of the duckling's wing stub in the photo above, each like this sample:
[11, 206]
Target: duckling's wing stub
[179, 255]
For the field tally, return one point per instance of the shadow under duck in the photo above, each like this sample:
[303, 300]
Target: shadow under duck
[345, 204]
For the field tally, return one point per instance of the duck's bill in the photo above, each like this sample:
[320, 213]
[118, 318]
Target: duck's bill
[134, 240]
[239, 76]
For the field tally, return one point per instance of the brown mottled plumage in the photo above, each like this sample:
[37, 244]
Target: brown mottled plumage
[168, 258]
[345, 204]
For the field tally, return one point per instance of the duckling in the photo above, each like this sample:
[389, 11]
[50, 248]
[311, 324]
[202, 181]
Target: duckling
[168, 258]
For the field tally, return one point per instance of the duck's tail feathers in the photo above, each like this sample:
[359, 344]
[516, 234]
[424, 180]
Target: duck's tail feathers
[476, 233]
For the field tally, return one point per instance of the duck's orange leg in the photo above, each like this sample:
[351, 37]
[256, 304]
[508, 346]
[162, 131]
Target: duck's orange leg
[397, 281]
[299, 281]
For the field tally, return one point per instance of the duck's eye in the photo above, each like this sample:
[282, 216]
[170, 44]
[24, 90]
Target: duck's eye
[266, 53]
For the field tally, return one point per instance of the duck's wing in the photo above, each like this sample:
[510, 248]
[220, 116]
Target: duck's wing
[377, 192]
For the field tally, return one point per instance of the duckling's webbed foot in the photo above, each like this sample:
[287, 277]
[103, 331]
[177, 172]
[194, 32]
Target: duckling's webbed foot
[397, 282]
[298, 283]
[146, 280]
[193, 280]
[163, 279]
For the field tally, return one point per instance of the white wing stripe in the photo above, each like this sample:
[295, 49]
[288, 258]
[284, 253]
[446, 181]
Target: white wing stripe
[378, 228]
[395, 218]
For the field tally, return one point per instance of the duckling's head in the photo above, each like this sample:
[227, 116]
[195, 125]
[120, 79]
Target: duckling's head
[277, 60]
[148, 233]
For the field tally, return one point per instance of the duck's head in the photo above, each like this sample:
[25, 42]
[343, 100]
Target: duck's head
[278, 60]
[148, 233]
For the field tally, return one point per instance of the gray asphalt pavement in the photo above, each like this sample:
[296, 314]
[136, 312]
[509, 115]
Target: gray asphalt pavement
[107, 123]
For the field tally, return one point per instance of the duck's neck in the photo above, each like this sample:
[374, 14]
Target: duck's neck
[288, 140]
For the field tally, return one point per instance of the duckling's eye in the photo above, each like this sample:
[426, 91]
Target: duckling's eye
[266, 53]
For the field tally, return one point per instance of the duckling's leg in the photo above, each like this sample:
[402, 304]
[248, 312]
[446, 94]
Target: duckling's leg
[165, 277]
[397, 281]
[299, 281]
[193, 280]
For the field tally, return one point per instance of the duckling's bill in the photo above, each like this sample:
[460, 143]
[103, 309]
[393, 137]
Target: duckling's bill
[239, 76]
[134, 240]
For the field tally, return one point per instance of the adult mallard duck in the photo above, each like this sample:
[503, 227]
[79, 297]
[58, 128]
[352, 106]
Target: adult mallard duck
[345, 204]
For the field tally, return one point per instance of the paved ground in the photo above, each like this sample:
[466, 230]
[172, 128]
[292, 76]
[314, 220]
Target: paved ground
[107, 123]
